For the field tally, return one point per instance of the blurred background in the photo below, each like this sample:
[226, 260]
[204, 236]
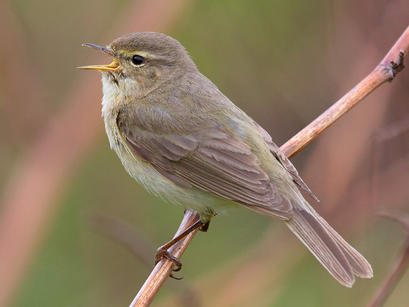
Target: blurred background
[76, 230]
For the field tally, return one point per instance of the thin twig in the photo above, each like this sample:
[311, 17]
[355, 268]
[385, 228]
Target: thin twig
[121, 232]
[261, 273]
[399, 268]
[386, 70]
[164, 268]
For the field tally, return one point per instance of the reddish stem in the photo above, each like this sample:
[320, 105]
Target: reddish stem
[386, 70]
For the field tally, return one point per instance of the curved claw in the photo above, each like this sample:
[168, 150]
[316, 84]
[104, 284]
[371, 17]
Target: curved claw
[174, 277]
[178, 267]
[161, 254]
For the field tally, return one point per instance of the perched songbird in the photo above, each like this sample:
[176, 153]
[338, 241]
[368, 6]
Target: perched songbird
[186, 142]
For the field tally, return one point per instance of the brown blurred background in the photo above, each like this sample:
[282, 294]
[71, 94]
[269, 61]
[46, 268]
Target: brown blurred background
[75, 230]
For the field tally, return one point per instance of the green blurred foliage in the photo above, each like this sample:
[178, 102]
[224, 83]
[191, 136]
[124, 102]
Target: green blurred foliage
[270, 58]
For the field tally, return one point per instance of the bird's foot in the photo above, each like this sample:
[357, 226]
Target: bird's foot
[164, 254]
[205, 227]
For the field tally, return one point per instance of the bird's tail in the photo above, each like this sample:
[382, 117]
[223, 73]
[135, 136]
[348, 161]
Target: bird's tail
[341, 260]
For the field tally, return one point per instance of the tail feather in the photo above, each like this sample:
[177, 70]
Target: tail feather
[340, 259]
[359, 265]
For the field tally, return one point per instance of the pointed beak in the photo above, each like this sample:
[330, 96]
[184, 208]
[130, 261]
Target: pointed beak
[105, 49]
[110, 67]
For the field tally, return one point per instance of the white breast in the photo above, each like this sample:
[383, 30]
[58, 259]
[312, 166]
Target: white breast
[142, 171]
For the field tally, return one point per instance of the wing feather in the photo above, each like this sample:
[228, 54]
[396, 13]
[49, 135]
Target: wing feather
[285, 162]
[212, 160]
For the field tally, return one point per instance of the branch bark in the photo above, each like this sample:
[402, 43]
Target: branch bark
[385, 71]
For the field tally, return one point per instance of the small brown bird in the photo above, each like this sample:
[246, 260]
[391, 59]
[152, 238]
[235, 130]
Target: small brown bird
[186, 142]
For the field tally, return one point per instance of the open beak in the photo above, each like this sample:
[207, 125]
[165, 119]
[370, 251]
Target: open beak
[110, 67]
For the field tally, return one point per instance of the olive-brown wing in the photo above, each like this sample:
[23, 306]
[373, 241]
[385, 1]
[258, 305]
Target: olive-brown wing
[285, 162]
[212, 160]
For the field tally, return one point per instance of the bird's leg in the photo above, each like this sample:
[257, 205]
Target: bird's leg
[205, 226]
[162, 251]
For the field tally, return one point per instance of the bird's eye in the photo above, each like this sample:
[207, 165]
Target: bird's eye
[138, 60]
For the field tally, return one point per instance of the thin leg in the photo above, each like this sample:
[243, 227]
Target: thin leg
[175, 240]
[205, 227]
[162, 251]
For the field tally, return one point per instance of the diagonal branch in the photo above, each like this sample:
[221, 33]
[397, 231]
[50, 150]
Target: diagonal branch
[385, 71]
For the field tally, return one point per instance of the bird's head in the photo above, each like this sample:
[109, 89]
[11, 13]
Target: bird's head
[142, 61]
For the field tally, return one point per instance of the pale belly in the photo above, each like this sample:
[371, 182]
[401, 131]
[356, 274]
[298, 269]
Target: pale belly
[206, 204]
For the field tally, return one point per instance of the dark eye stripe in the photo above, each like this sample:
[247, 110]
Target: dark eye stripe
[138, 60]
